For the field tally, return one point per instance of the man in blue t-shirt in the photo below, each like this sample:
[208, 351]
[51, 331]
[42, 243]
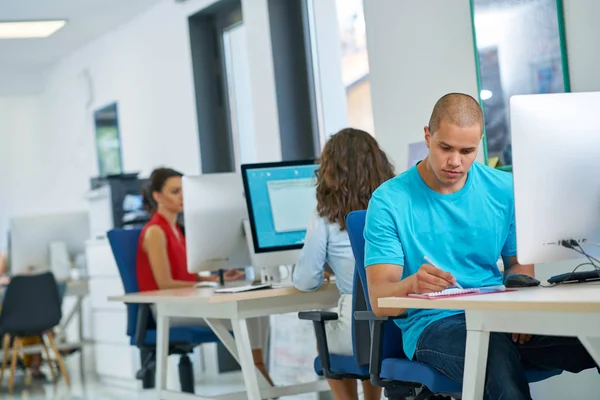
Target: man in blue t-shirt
[460, 216]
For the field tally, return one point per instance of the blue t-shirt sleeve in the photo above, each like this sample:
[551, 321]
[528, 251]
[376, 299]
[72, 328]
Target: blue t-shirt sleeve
[510, 245]
[382, 243]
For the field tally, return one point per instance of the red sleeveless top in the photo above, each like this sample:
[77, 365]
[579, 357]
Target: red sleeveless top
[175, 251]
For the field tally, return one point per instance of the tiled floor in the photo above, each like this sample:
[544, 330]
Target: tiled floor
[88, 388]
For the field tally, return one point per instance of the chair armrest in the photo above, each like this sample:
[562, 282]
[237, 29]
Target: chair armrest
[370, 316]
[318, 316]
[142, 324]
[377, 331]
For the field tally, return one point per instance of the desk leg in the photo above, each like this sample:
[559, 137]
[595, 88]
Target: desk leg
[475, 364]
[162, 351]
[242, 341]
[79, 307]
[224, 336]
[229, 342]
[592, 345]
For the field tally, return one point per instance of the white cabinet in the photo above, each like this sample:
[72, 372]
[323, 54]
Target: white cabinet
[116, 361]
[100, 260]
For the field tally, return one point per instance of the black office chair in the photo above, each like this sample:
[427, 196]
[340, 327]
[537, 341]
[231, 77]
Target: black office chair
[31, 307]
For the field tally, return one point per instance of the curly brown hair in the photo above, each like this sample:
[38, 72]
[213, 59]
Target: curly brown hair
[352, 166]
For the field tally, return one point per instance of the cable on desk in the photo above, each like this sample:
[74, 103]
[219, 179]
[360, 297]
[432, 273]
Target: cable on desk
[576, 246]
[572, 272]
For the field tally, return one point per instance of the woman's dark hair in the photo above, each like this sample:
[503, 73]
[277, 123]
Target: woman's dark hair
[352, 166]
[156, 183]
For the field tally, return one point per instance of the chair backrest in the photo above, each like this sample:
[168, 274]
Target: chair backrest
[355, 223]
[124, 244]
[361, 330]
[62, 290]
[31, 305]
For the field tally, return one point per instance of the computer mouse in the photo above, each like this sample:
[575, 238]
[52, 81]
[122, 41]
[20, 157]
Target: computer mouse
[520, 280]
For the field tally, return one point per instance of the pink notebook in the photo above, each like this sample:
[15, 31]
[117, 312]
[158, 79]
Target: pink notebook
[454, 292]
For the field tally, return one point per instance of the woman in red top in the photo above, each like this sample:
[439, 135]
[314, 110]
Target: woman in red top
[161, 253]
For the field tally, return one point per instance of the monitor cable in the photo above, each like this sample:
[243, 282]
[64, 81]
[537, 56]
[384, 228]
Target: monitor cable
[576, 246]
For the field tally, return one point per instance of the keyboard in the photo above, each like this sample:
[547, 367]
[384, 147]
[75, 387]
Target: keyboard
[246, 288]
[572, 277]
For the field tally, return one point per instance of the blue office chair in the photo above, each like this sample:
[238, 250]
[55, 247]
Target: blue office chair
[389, 366]
[335, 366]
[141, 327]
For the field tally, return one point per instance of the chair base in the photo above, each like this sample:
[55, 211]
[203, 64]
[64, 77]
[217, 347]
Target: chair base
[405, 393]
[186, 374]
[427, 395]
[148, 372]
[399, 393]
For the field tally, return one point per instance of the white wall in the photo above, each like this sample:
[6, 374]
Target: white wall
[262, 79]
[18, 150]
[327, 60]
[145, 66]
[240, 95]
[13, 83]
[418, 51]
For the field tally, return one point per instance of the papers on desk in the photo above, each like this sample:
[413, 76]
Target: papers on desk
[453, 292]
[245, 288]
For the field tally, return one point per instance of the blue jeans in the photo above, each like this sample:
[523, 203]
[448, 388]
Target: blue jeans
[442, 345]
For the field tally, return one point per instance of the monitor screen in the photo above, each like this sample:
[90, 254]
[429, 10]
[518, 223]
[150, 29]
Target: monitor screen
[281, 198]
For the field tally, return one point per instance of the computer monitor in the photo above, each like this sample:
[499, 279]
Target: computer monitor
[214, 210]
[556, 167]
[281, 197]
[32, 236]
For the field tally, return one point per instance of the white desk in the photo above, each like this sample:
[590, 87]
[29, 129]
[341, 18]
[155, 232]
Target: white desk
[567, 310]
[238, 307]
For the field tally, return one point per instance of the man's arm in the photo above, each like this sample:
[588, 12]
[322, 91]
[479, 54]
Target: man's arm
[385, 280]
[509, 251]
[384, 261]
[512, 266]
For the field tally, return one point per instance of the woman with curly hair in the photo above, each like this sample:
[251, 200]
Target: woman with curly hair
[352, 166]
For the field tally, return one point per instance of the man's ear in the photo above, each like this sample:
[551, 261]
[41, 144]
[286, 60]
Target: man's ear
[427, 136]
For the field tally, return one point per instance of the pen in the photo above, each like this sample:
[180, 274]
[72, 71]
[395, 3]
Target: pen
[431, 262]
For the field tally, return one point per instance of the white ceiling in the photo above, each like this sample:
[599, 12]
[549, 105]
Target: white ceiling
[87, 20]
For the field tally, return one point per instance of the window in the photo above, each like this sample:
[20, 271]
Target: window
[108, 141]
[340, 66]
[355, 64]
[213, 32]
[520, 50]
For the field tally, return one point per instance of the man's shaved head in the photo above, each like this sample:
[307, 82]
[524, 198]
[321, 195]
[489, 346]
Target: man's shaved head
[457, 109]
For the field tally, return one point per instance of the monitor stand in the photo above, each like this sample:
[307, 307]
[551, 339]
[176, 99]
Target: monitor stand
[270, 261]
